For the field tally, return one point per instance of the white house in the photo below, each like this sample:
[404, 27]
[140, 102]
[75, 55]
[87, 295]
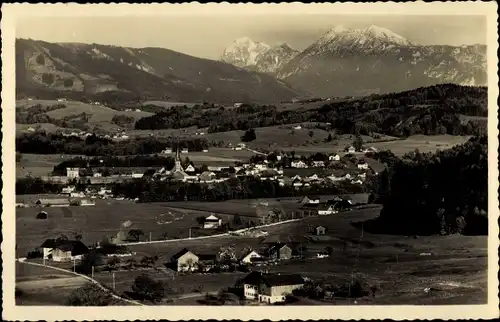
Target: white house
[73, 172]
[86, 202]
[205, 150]
[326, 210]
[298, 164]
[185, 150]
[68, 189]
[190, 168]
[137, 175]
[247, 259]
[97, 174]
[167, 151]
[318, 163]
[351, 149]
[63, 250]
[358, 181]
[334, 157]
[212, 222]
[77, 194]
[363, 165]
[298, 127]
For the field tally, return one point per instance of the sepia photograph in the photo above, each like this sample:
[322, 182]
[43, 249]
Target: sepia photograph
[250, 161]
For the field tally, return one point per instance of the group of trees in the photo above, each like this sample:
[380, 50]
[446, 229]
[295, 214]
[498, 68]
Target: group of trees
[441, 193]
[428, 110]
[37, 114]
[234, 188]
[112, 162]
[123, 120]
[43, 143]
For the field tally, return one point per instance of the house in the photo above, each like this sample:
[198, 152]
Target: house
[60, 250]
[309, 200]
[184, 261]
[298, 164]
[86, 202]
[205, 150]
[30, 129]
[52, 202]
[326, 210]
[249, 257]
[68, 190]
[185, 150]
[167, 151]
[363, 165]
[351, 149]
[190, 168]
[270, 288]
[77, 194]
[279, 252]
[371, 150]
[318, 164]
[212, 222]
[73, 172]
[42, 215]
[298, 127]
[320, 230]
[334, 157]
[97, 174]
[137, 175]
[236, 105]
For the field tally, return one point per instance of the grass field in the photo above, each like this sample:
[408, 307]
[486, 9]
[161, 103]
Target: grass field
[455, 272]
[104, 220]
[44, 286]
[39, 164]
[167, 104]
[101, 116]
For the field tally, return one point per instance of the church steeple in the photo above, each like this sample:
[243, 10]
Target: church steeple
[178, 166]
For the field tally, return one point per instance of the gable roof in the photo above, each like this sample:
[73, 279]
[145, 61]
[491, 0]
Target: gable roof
[75, 246]
[211, 217]
[179, 254]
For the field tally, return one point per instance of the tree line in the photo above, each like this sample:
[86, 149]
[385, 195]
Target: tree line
[429, 110]
[47, 143]
[437, 193]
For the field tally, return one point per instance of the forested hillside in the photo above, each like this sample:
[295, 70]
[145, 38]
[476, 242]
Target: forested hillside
[441, 193]
[427, 110]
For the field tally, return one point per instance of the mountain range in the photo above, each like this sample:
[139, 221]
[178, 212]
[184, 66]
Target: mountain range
[75, 70]
[346, 61]
[342, 62]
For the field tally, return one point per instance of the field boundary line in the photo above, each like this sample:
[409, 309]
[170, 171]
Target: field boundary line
[212, 236]
[23, 261]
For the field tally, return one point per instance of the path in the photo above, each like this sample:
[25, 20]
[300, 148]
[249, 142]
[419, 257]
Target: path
[254, 151]
[22, 261]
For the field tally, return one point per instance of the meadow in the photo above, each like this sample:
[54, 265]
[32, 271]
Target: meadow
[405, 269]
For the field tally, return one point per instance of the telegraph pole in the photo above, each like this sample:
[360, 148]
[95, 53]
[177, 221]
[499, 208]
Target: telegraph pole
[114, 286]
[92, 272]
[189, 233]
[74, 264]
[149, 236]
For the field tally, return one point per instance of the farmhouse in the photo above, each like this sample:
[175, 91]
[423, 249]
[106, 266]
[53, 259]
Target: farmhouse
[190, 169]
[42, 215]
[350, 149]
[320, 230]
[212, 222]
[318, 164]
[60, 250]
[185, 261]
[307, 200]
[249, 257]
[298, 164]
[86, 202]
[52, 202]
[68, 190]
[334, 157]
[279, 252]
[326, 210]
[362, 165]
[73, 172]
[270, 288]
[185, 150]
[167, 151]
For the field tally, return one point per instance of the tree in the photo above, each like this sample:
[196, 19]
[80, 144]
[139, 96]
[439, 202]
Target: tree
[358, 143]
[329, 138]
[89, 295]
[148, 289]
[329, 250]
[113, 261]
[310, 133]
[200, 220]
[89, 260]
[249, 135]
[135, 234]
[236, 220]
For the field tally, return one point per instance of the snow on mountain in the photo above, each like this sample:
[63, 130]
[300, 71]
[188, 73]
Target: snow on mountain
[346, 61]
[257, 56]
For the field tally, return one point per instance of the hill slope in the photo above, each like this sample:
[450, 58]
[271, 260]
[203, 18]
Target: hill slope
[376, 60]
[75, 70]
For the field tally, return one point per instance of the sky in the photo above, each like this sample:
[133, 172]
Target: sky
[207, 36]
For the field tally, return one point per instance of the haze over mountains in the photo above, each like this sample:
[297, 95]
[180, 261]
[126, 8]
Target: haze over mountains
[342, 62]
[371, 60]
